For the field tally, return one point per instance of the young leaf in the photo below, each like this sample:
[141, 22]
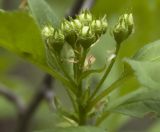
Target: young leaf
[42, 13]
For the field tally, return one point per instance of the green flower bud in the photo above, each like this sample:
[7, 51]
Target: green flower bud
[58, 40]
[85, 17]
[69, 30]
[99, 26]
[104, 24]
[86, 37]
[123, 28]
[76, 24]
[47, 31]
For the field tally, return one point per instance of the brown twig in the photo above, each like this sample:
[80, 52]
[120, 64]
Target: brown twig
[13, 98]
[41, 94]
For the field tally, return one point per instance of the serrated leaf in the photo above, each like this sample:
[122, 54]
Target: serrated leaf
[147, 73]
[75, 129]
[42, 13]
[145, 66]
[149, 52]
[139, 103]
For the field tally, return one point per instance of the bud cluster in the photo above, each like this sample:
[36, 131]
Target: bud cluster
[123, 28]
[84, 31]
[54, 38]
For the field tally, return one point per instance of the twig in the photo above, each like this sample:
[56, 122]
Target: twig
[76, 8]
[88, 4]
[13, 98]
[42, 93]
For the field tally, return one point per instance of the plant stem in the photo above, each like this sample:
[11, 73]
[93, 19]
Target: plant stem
[108, 90]
[102, 117]
[105, 74]
[40, 95]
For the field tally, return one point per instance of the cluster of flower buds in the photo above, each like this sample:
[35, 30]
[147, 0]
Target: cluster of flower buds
[83, 30]
[54, 38]
[123, 28]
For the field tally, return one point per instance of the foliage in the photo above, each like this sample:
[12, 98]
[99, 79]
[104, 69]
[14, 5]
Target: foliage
[90, 105]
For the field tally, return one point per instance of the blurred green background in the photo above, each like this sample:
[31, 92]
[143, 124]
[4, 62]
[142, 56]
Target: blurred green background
[23, 78]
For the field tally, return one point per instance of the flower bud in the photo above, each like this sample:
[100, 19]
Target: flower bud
[86, 37]
[57, 41]
[69, 30]
[99, 26]
[47, 31]
[104, 24]
[85, 17]
[123, 28]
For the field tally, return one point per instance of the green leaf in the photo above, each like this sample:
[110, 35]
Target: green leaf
[139, 103]
[145, 66]
[19, 34]
[149, 52]
[75, 129]
[147, 73]
[42, 13]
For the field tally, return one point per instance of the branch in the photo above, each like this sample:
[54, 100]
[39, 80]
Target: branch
[43, 93]
[78, 6]
[13, 98]
[88, 4]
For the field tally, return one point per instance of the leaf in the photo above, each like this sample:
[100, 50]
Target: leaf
[145, 66]
[149, 52]
[139, 103]
[75, 129]
[19, 34]
[147, 73]
[42, 13]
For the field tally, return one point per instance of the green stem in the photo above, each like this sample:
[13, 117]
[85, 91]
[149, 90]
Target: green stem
[107, 91]
[105, 74]
[80, 55]
[102, 118]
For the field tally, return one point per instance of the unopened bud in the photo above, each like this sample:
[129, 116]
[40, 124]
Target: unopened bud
[104, 24]
[57, 41]
[47, 31]
[85, 17]
[68, 28]
[86, 37]
[123, 28]
[99, 26]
